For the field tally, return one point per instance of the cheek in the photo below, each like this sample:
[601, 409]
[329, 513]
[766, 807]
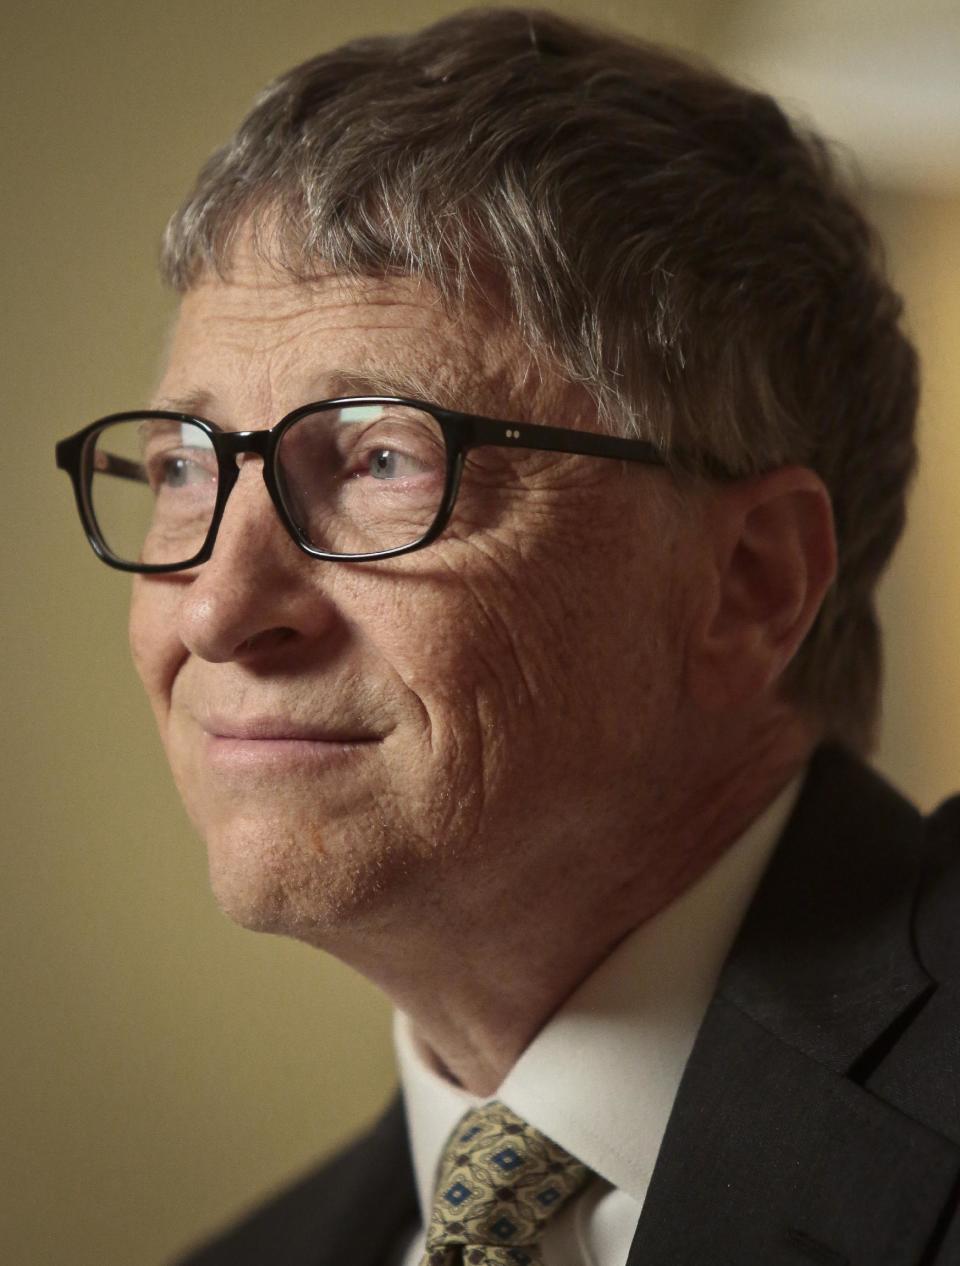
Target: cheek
[156, 649]
[502, 658]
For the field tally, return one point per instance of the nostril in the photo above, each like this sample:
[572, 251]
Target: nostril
[265, 640]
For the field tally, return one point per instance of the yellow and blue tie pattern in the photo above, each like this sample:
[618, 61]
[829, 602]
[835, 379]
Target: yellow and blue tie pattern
[500, 1180]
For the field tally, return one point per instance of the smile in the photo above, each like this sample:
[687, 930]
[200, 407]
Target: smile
[232, 752]
[280, 741]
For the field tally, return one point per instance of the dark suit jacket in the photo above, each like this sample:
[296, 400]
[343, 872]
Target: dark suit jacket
[818, 1119]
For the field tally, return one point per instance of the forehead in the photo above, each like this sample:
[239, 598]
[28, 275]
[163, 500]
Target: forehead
[258, 340]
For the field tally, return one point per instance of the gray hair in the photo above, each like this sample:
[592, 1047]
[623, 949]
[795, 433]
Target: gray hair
[663, 235]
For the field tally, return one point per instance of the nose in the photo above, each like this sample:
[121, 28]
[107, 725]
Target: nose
[258, 594]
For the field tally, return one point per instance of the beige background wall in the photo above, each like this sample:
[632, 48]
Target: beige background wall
[159, 1067]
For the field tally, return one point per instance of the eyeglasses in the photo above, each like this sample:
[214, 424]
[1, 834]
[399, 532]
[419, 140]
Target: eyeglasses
[352, 479]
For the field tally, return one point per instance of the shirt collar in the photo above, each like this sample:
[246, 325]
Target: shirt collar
[600, 1078]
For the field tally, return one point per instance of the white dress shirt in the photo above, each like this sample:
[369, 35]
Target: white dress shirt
[600, 1078]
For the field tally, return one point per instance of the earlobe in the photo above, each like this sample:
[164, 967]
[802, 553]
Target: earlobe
[772, 559]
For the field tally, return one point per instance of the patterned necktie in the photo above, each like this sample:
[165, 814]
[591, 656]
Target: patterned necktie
[500, 1180]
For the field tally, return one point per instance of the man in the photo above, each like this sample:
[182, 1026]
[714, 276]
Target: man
[534, 681]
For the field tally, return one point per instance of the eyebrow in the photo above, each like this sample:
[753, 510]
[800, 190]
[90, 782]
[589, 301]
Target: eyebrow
[195, 402]
[345, 382]
[374, 382]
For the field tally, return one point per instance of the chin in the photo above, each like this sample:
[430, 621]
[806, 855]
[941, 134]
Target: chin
[297, 880]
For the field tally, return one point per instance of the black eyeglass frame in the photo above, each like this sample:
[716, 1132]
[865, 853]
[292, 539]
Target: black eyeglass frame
[461, 432]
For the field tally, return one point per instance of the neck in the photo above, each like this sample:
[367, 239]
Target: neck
[478, 987]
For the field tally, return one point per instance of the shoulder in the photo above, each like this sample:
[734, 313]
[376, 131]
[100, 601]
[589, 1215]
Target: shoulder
[937, 920]
[329, 1208]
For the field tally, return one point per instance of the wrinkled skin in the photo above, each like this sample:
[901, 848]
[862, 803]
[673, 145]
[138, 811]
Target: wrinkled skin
[523, 684]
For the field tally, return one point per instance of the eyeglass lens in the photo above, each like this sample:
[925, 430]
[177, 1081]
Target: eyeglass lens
[354, 479]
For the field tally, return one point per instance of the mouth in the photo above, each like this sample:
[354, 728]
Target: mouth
[277, 741]
[267, 730]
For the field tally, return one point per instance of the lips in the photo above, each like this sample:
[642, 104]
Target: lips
[266, 729]
[245, 750]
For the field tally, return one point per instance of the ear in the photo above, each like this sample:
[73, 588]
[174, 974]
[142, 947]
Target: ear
[771, 555]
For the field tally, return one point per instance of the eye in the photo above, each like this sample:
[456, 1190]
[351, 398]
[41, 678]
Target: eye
[173, 472]
[389, 463]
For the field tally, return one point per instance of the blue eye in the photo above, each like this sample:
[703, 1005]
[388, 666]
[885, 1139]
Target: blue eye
[387, 463]
[383, 464]
[178, 472]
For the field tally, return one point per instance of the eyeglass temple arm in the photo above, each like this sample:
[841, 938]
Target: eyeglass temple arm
[111, 464]
[486, 431]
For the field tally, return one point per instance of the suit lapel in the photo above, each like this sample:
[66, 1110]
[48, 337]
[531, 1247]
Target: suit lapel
[774, 1152]
[359, 1219]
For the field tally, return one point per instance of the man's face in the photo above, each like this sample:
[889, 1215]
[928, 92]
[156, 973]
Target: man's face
[448, 732]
